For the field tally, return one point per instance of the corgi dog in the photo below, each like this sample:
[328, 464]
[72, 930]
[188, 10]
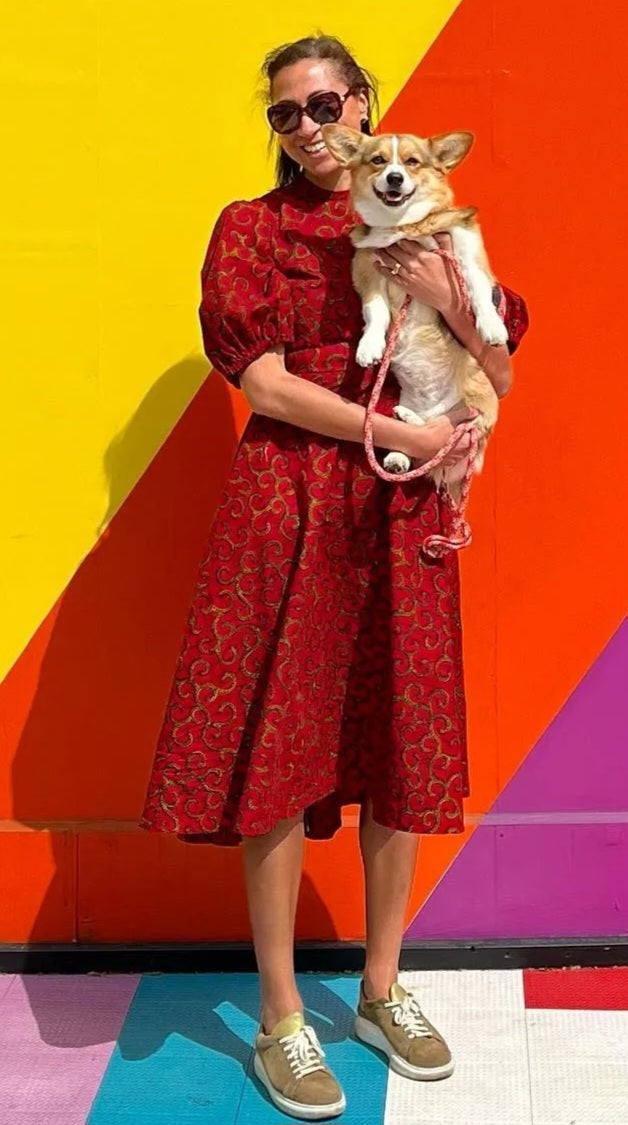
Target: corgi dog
[400, 191]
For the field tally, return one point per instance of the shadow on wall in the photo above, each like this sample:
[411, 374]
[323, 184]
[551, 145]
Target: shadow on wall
[85, 750]
[130, 451]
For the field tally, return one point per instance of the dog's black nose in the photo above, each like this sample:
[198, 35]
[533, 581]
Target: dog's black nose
[394, 179]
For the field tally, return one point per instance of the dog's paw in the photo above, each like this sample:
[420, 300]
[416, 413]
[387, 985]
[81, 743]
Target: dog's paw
[491, 327]
[404, 414]
[397, 463]
[371, 348]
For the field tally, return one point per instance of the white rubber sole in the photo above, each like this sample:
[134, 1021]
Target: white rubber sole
[296, 1109]
[369, 1033]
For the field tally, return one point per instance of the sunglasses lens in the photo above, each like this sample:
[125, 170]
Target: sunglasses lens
[325, 108]
[284, 117]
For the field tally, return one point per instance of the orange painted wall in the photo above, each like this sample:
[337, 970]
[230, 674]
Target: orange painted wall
[544, 583]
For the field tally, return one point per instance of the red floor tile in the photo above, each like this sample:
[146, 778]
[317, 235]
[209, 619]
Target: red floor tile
[598, 989]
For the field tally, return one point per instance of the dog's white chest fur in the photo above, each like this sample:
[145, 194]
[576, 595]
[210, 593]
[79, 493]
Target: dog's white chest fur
[424, 364]
[425, 358]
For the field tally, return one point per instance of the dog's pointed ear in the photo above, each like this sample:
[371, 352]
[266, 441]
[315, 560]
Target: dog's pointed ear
[449, 149]
[344, 143]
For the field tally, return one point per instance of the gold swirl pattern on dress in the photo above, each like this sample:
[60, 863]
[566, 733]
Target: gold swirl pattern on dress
[322, 657]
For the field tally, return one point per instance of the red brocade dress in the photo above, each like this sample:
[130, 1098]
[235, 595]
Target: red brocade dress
[321, 662]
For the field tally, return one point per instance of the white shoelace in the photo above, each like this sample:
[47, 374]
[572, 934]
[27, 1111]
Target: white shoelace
[303, 1051]
[408, 1015]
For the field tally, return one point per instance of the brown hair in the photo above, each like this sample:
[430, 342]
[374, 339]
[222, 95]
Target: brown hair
[325, 48]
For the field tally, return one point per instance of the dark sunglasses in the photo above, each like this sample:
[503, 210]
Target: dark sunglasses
[323, 108]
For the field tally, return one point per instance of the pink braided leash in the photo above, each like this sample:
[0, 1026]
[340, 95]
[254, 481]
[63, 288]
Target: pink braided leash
[460, 535]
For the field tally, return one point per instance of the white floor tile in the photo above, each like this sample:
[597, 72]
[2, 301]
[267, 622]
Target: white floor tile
[578, 1067]
[482, 1017]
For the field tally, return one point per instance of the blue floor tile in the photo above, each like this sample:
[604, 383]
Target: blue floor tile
[184, 1055]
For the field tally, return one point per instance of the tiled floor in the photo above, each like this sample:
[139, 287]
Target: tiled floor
[533, 1048]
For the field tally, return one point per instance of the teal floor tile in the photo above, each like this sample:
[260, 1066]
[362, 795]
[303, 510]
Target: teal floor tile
[184, 1056]
[183, 1053]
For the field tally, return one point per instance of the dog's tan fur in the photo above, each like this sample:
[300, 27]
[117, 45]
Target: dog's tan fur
[427, 162]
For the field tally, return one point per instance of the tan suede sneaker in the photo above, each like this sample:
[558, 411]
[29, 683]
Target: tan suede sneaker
[288, 1062]
[397, 1026]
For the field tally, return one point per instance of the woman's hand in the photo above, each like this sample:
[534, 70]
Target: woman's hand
[429, 278]
[426, 276]
[424, 442]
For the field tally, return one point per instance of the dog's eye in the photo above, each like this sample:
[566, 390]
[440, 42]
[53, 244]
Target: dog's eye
[413, 161]
[378, 160]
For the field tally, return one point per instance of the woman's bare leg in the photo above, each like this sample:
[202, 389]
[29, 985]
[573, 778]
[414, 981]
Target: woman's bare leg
[389, 859]
[272, 868]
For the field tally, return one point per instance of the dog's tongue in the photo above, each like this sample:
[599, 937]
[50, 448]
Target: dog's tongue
[393, 196]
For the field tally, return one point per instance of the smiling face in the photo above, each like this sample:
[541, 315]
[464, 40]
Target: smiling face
[397, 179]
[297, 83]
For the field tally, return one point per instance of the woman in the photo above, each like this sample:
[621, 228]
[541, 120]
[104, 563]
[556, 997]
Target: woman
[321, 663]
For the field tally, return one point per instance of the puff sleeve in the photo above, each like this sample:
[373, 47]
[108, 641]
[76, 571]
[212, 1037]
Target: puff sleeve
[246, 306]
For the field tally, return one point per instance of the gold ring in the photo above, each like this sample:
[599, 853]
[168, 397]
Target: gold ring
[395, 270]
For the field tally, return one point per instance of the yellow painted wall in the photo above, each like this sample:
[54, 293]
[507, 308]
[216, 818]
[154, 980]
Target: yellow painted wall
[127, 124]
